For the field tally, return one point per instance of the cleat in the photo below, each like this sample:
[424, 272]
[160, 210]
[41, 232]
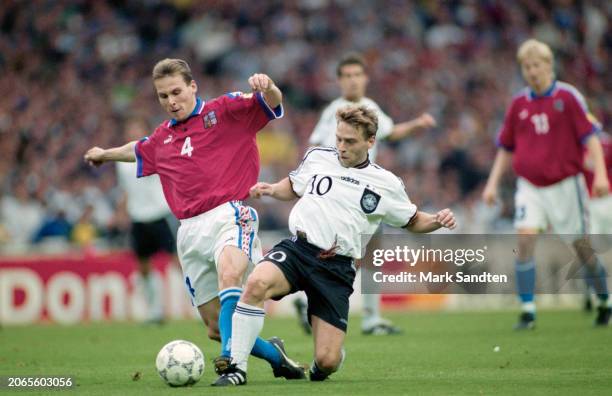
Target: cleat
[383, 328]
[587, 305]
[287, 368]
[233, 377]
[222, 364]
[302, 311]
[318, 376]
[526, 322]
[603, 316]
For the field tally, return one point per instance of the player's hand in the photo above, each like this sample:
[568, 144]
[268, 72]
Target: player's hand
[601, 188]
[446, 218]
[261, 83]
[260, 189]
[94, 156]
[489, 195]
[426, 121]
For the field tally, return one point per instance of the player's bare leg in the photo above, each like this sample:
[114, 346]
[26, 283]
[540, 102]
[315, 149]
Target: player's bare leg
[209, 312]
[525, 277]
[265, 282]
[595, 278]
[329, 353]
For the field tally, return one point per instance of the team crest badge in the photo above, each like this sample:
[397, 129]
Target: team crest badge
[369, 201]
[210, 120]
[559, 105]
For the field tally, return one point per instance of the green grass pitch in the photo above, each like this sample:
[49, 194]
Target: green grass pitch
[439, 354]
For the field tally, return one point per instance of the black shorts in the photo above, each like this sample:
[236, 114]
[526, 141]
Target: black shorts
[328, 283]
[150, 238]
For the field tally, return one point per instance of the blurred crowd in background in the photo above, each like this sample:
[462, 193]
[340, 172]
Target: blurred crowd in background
[73, 72]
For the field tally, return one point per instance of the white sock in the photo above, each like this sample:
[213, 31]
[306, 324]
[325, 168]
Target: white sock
[247, 323]
[155, 300]
[371, 310]
[529, 307]
[151, 289]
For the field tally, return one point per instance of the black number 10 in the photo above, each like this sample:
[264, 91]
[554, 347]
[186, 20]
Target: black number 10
[322, 188]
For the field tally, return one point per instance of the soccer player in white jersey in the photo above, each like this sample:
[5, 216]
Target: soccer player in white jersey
[353, 81]
[545, 131]
[342, 197]
[150, 231]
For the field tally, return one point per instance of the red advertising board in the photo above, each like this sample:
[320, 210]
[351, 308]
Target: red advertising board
[80, 287]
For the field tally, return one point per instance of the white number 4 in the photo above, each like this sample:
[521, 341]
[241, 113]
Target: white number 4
[540, 123]
[187, 147]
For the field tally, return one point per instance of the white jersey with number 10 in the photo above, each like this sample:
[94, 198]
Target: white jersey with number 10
[340, 206]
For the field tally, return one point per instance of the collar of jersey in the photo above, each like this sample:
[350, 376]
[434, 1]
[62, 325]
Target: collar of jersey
[546, 93]
[196, 110]
[364, 164]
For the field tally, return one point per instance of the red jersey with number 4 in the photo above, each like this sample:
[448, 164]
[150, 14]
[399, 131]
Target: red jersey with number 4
[211, 157]
[546, 133]
[606, 144]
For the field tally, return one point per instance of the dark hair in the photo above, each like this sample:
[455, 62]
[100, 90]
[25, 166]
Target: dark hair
[170, 67]
[361, 118]
[352, 58]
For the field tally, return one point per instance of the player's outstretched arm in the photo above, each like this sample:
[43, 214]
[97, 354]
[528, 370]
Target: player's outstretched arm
[600, 175]
[502, 162]
[404, 129]
[96, 156]
[424, 222]
[281, 190]
[264, 84]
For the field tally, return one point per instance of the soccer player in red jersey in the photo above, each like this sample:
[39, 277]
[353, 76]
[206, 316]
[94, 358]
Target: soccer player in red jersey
[207, 159]
[544, 133]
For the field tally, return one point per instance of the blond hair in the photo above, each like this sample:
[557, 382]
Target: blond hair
[361, 118]
[170, 67]
[533, 47]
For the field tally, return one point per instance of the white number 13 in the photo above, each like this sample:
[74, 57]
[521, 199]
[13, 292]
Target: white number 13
[187, 147]
[540, 123]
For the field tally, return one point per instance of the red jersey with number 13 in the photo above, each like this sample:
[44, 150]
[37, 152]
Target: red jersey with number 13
[546, 133]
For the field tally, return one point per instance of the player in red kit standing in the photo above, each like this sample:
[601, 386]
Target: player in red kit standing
[544, 134]
[207, 159]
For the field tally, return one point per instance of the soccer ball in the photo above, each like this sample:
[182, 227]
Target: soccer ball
[180, 363]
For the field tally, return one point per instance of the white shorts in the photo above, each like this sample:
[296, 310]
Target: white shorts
[201, 239]
[560, 206]
[601, 215]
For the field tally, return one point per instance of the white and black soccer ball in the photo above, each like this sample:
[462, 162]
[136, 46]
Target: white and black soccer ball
[180, 363]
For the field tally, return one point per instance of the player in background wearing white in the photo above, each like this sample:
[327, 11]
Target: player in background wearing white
[353, 82]
[150, 231]
[545, 131]
[342, 197]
